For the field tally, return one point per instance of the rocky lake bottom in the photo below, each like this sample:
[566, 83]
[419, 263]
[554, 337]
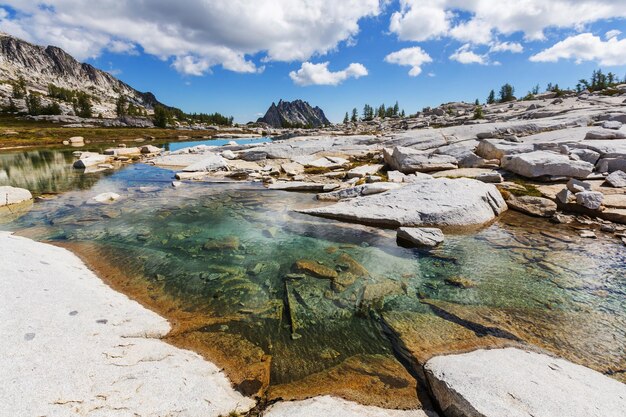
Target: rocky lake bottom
[294, 306]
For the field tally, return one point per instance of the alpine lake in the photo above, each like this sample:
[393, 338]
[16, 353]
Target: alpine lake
[293, 306]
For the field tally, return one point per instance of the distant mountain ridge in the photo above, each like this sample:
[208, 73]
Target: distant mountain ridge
[40, 66]
[295, 113]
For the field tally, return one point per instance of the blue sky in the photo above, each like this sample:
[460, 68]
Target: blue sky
[238, 56]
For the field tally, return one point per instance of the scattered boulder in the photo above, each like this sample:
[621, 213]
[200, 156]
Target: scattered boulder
[292, 168]
[13, 195]
[490, 177]
[363, 171]
[498, 149]
[301, 186]
[88, 159]
[576, 186]
[612, 124]
[105, 198]
[512, 382]
[210, 162]
[586, 155]
[590, 199]
[441, 202]
[617, 179]
[543, 163]
[565, 196]
[147, 149]
[407, 161]
[420, 236]
[359, 190]
[605, 134]
[228, 154]
[76, 140]
[534, 206]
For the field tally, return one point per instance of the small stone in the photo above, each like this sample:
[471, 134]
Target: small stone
[565, 196]
[420, 237]
[590, 199]
[588, 234]
[73, 313]
[102, 321]
[29, 336]
[460, 282]
[577, 186]
[490, 178]
[617, 179]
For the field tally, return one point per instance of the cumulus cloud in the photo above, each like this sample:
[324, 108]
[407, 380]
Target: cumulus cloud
[465, 55]
[585, 47]
[612, 34]
[420, 20]
[319, 74]
[513, 47]
[413, 57]
[196, 35]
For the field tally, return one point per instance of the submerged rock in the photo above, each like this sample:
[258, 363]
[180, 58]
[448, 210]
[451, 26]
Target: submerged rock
[437, 202]
[316, 269]
[105, 198]
[420, 237]
[515, 383]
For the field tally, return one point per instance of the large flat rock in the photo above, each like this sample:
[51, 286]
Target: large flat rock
[542, 163]
[444, 203]
[72, 346]
[328, 406]
[515, 383]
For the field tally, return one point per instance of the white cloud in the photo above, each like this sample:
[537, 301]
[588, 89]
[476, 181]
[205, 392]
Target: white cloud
[319, 74]
[419, 20]
[513, 47]
[465, 55]
[196, 35]
[413, 57]
[612, 34]
[585, 47]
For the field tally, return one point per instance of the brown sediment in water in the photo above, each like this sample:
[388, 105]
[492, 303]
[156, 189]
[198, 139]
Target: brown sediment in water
[375, 380]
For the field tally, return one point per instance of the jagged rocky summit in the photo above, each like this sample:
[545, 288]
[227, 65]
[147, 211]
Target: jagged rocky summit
[40, 66]
[295, 113]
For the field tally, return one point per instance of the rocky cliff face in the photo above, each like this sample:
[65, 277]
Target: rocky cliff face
[296, 113]
[40, 66]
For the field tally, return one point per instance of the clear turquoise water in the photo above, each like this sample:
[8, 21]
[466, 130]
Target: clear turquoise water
[230, 250]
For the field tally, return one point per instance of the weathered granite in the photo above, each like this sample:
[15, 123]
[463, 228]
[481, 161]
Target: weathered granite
[515, 383]
[13, 195]
[438, 203]
[542, 163]
[420, 236]
[73, 346]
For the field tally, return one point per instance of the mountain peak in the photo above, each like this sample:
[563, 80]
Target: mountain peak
[295, 113]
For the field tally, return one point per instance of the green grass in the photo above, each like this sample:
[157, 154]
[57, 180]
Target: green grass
[40, 133]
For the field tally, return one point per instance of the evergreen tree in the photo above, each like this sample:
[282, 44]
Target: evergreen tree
[402, 114]
[355, 115]
[382, 111]
[346, 119]
[477, 102]
[396, 109]
[33, 104]
[492, 97]
[478, 113]
[82, 105]
[535, 90]
[120, 106]
[19, 88]
[161, 117]
[507, 93]
[11, 108]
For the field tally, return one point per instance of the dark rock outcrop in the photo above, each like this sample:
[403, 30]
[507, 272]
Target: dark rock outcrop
[296, 113]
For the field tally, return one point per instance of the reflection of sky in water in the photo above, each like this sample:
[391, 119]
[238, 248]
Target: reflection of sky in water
[229, 251]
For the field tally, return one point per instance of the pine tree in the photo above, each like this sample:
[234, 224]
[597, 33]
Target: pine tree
[161, 117]
[346, 119]
[396, 109]
[403, 114]
[492, 97]
[477, 102]
[120, 106]
[507, 93]
[355, 115]
[478, 113]
[33, 104]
